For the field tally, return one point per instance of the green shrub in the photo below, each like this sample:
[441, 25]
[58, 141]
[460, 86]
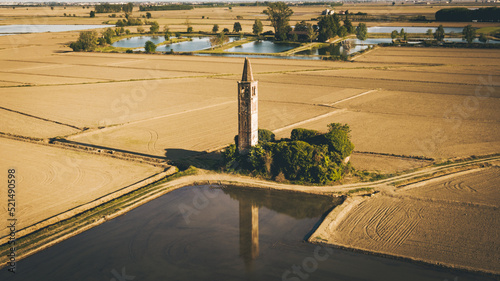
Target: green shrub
[303, 134]
[265, 136]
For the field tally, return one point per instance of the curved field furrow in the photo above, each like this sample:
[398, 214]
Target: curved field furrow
[449, 221]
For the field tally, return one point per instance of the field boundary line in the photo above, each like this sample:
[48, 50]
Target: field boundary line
[110, 127]
[350, 98]
[40, 118]
[309, 120]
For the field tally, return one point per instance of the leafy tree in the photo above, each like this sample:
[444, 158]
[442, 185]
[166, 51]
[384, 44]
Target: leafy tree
[483, 38]
[189, 28]
[348, 25]
[312, 34]
[148, 15]
[402, 33]
[140, 29]
[215, 28]
[107, 35]
[87, 41]
[469, 33]
[361, 31]
[128, 8]
[150, 47]
[338, 141]
[342, 32]
[155, 27]
[127, 31]
[219, 40]
[225, 30]
[394, 34]
[237, 27]
[92, 14]
[257, 27]
[439, 33]
[328, 27]
[429, 32]
[279, 14]
[301, 26]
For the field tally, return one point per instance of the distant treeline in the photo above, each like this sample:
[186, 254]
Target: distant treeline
[466, 15]
[165, 7]
[114, 8]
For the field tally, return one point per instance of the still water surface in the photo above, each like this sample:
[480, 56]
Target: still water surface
[262, 47]
[205, 233]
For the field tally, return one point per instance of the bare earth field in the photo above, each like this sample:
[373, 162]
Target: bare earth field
[438, 103]
[52, 180]
[451, 221]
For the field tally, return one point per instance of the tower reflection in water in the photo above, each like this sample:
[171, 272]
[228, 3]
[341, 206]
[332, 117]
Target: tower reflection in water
[293, 204]
[249, 232]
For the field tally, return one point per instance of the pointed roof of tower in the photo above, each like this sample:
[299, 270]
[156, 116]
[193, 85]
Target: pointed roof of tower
[247, 71]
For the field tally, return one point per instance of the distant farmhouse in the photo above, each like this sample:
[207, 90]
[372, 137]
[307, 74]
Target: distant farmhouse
[328, 12]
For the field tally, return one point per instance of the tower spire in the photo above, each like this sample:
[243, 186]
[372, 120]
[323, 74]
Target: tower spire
[247, 72]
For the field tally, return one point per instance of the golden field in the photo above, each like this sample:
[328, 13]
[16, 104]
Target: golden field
[51, 180]
[452, 221]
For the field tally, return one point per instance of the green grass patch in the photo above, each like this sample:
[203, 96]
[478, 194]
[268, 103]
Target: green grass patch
[359, 190]
[488, 30]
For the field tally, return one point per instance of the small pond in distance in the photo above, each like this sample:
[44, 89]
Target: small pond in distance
[261, 47]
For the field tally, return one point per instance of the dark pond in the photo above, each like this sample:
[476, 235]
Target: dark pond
[204, 233]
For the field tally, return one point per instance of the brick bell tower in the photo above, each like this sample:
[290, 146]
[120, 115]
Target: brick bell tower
[248, 116]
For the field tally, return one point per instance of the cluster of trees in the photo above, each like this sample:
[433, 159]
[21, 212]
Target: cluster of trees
[304, 32]
[236, 28]
[466, 15]
[165, 7]
[308, 156]
[279, 14]
[87, 41]
[399, 35]
[128, 21]
[114, 8]
[328, 26]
